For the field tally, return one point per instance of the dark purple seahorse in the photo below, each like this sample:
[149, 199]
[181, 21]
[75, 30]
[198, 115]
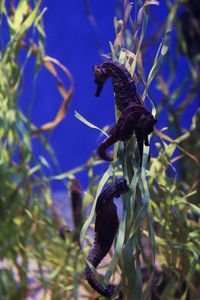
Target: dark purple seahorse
[76, 196]
[76, 203]
[106, 226]
[134, 116]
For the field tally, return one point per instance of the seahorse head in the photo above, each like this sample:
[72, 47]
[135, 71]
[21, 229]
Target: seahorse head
[100, 77]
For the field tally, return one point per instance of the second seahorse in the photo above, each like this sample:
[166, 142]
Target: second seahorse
[106, 226]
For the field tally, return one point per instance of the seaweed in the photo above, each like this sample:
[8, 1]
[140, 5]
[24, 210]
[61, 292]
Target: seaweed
[152, 245]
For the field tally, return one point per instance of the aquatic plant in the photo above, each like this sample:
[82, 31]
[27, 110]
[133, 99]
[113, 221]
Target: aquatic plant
[31, 249]
[156, 248]
[145, 242]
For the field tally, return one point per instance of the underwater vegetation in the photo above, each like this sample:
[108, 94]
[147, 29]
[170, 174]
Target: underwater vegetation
[147, 245]
[189, 25]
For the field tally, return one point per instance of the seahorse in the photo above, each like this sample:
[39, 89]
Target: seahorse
[76, 203]
[106, 226]
[134, 116]
[76, 196]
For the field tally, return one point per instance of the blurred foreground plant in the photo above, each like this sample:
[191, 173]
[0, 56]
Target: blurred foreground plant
[32, 255]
